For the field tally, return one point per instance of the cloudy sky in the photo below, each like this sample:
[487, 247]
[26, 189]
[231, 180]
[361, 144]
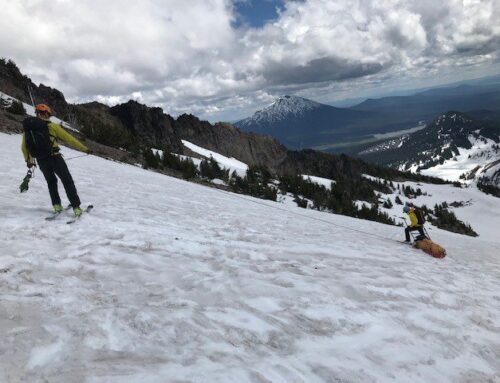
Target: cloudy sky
[223, 59]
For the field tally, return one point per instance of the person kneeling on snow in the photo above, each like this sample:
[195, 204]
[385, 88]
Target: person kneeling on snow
[416, 222]
[40, 142]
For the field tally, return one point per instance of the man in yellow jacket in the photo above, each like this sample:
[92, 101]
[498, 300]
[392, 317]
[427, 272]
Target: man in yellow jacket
[414, 224]
[40, 142]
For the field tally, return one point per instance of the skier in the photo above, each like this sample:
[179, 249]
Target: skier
[40, 142]
[416, 222]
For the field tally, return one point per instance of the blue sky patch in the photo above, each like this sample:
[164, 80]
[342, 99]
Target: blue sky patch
[256, 13]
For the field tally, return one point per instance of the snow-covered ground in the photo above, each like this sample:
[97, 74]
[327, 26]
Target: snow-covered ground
[480, 210]
[171, 281]
[226, 162]
[480, 155]
[327, 183]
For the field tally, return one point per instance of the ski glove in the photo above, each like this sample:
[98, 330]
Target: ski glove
[25, 184]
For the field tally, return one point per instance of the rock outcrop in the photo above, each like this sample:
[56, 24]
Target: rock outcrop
[149, 124]
[223, 138]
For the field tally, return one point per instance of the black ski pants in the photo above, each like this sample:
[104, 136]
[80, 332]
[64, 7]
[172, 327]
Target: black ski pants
[414, 228]
[56, 166]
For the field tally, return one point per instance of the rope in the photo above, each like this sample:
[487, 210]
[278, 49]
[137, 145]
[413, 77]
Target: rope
[310, 217]
[287, 211]
[72, 158]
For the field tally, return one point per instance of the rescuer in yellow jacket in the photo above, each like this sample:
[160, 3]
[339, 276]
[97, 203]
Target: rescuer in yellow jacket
[40, 143]
[414, 223]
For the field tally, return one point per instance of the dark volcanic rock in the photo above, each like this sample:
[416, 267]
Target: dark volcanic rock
[102, 112]
[253, 149]
[15, 84]
[149, 124]
[11, 123]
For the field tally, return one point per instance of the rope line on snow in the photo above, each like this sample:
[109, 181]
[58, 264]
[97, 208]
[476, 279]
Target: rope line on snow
[310, 217]
[72, 158]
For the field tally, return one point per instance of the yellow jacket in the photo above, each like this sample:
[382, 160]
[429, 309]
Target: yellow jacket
[413, 218]
[56, 132]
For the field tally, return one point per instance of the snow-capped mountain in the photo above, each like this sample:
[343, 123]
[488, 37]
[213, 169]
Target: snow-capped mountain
[170, 281]
[299, 122]
[455, 146]
[283, 108]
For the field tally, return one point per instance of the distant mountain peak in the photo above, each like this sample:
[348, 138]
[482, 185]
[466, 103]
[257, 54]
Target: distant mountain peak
[299, 122]
[281, 109]
[285, 106]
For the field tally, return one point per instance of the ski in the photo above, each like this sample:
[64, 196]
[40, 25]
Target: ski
[74, 219]
[54, 215]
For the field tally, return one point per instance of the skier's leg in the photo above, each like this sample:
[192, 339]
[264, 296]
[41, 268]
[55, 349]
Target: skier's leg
[47, 168]
[63, 173]
[421, 231]
[407, 234]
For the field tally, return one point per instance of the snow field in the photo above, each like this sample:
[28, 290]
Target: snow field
[480, 154]
[481, 211]
[226, 162]
[169, 281]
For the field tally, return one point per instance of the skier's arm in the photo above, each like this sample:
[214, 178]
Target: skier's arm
[27, 156]
[58, 132]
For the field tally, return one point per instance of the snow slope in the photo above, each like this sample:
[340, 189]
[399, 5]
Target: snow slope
[226, 162]
[170, 281]
[454, 147]
[482, 156]
[319, 180]
[480, 210]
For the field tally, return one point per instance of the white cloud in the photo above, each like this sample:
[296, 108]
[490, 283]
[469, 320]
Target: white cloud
[187, 57]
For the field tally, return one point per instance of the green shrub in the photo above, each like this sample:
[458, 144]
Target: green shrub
[151, 160]
[447, 220]
[185, 166]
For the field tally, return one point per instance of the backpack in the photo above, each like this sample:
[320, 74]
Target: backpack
[420, 216]
[37, 138]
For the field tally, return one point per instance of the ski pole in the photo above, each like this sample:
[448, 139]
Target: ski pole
[72, 158]
[426, 232]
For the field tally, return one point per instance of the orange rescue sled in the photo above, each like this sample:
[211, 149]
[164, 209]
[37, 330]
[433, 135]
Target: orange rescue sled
[431, 248]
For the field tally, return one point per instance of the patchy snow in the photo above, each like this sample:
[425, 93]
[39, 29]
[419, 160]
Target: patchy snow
[481, 154]
[287, 199]
[170, 281]
[359, 204]
[319, 180]
[195, 160]
[372, 178]
[158, 152]
[482, 211]
[226, 162]
[217, 181]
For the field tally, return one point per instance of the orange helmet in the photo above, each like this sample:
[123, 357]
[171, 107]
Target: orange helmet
[42, 108]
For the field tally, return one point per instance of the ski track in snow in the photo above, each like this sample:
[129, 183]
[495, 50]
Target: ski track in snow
[169, 281]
